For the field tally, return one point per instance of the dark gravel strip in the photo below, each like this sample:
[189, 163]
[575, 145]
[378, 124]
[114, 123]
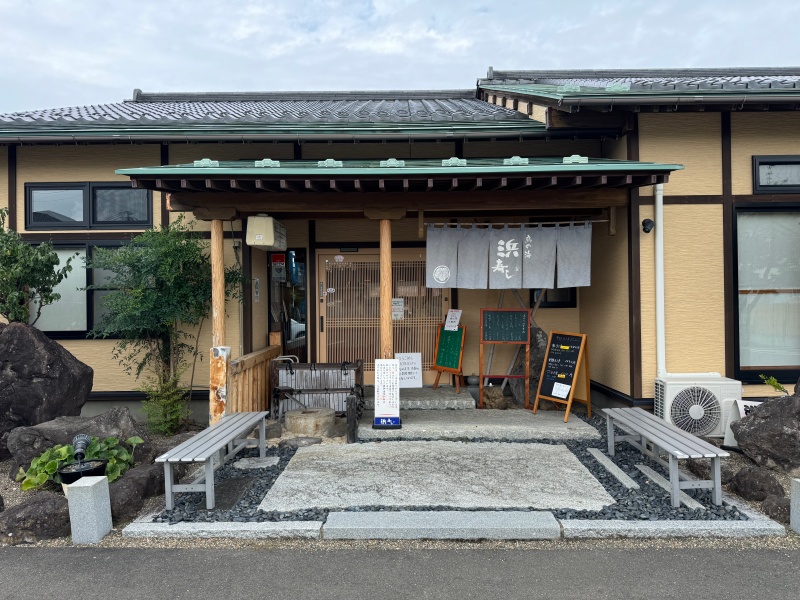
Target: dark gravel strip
[649, 503]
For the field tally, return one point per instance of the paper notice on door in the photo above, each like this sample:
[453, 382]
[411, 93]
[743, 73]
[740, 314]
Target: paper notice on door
[561, 390]
[453, 317]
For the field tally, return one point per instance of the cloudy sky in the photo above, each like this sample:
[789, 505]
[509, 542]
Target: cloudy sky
[73, 52]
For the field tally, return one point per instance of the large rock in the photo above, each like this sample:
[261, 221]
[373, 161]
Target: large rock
[538, 350]
[26, 443]
[755, 483]
[43, 517]
[777, 507]
[2, 504]
[39, 380]
[770, 434]
[129, 492]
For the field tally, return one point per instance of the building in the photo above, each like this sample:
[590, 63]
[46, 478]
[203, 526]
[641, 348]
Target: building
[358, 176]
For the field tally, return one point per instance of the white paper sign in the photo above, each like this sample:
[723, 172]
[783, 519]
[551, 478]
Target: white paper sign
[453, 317]
[410, 369]
[387, 391]
[561, 390]
[398, 309]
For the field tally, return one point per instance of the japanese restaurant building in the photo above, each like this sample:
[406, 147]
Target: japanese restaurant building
[707, 159]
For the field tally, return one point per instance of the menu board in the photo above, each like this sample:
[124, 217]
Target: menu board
[560, 364]
[504, 325]
[449, 349]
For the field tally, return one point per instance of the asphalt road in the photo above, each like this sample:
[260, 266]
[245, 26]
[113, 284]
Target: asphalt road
[378, 574]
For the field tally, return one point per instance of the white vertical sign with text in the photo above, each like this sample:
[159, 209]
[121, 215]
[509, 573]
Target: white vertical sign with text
[410, 369]
[387, 394]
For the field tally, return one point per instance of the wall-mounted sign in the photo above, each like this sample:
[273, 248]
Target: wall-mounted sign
[278, 267]
[398, 309]
[410, 369]
[256, 289]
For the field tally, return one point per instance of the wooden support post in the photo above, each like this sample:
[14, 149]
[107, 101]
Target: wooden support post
[218, 380]
[387, 343]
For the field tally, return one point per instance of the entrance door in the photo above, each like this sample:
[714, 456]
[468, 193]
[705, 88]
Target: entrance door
[348, 292]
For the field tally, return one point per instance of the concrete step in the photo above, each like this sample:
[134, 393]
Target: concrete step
[426, 398]
[441, 525]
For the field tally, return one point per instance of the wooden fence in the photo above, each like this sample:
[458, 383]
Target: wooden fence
[248, 381]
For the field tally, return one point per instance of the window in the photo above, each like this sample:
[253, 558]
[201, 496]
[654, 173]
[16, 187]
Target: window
[768, 293]
[556, 298]
[776, 174]
[78, 310]
[87, 206]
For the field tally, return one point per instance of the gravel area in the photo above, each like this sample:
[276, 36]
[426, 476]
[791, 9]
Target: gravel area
[650, 502]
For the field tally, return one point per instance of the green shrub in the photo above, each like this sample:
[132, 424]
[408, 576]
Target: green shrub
[774, 384]
[166, 405]
[44, 468]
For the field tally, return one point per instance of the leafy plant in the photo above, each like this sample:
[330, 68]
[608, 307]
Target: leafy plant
[166, 406]
[162, 285]
[774, 384]
[28, 275]
[44, 468]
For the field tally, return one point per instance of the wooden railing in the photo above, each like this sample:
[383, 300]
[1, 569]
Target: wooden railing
[248, 381]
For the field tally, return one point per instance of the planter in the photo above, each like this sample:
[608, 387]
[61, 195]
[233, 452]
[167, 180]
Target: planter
[90, 468]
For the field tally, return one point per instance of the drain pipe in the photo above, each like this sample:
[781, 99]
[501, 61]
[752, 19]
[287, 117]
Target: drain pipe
[661, 334]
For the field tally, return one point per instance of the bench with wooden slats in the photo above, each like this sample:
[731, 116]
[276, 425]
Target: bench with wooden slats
[212, 446]
[659, 435]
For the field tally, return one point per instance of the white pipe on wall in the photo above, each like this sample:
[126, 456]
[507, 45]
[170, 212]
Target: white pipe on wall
[661, 334]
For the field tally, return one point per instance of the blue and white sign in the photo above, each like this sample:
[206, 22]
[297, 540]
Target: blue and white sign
[387, 394]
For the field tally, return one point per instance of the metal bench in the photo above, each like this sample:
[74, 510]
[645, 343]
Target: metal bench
[339, 386]
[651, 435]
[212, 446]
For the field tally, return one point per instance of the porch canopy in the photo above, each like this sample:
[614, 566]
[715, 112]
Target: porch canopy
[225, 190]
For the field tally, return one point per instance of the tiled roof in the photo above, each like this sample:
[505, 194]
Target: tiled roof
[311, 108]
[656, 80]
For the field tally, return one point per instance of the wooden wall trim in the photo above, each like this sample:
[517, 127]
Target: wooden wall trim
[164, 162]
[634, 274]
[12, 187]
[247, 292]
[728, 242]
[311, 290]
[704, 199]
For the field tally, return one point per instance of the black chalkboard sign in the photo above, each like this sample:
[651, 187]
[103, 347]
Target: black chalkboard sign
[566, 355]
[504, 325]
[449, 349]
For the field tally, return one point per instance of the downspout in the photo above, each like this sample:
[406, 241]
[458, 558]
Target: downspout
[661, 334]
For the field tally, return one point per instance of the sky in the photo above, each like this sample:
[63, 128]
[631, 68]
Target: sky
[57, 53]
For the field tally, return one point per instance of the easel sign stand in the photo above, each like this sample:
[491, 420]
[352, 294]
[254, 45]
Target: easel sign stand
[506, 326]
[566, 359]
[449, 354]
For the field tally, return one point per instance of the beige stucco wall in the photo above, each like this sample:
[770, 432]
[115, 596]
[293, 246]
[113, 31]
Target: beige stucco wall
[365, 230]
[472, 301]
[755, 134]
[345, 151]
[96, 163]
[4, 177]
[604, 307]
[187, 153]
[694, 292]
[616, 149]
[689, 139]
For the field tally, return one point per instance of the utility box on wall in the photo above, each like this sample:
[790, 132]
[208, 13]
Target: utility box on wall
[265, 233]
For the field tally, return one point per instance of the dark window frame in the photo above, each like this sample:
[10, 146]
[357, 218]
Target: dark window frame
[782, 159]
[86, 247]
[89, 221]
[751, 375]
[570, 302]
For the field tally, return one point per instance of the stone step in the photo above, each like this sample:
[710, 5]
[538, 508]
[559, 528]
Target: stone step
[426, 398]
[441, 525]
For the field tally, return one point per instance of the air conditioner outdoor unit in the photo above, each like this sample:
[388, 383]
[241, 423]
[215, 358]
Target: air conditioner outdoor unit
[698, 403]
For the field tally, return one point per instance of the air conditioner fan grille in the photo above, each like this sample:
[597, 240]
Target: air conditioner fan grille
[696, 410]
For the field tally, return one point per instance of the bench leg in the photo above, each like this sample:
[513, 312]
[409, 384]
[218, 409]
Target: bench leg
[209, 467]
[610, 430]
[674, 482]
[168, 497]
[716, 478]
[262, 438]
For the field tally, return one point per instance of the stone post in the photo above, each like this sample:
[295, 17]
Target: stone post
[89, 504]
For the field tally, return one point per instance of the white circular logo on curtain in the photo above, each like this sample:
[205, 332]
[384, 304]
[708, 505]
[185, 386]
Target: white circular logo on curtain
[441, 274]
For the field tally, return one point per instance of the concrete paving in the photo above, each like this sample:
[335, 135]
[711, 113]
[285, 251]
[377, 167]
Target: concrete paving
[444, 525]
[453, 474]
[499, 425]
[426, 398]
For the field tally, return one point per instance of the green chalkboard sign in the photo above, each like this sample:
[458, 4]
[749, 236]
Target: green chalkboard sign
[505, 325]
[449, 349]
